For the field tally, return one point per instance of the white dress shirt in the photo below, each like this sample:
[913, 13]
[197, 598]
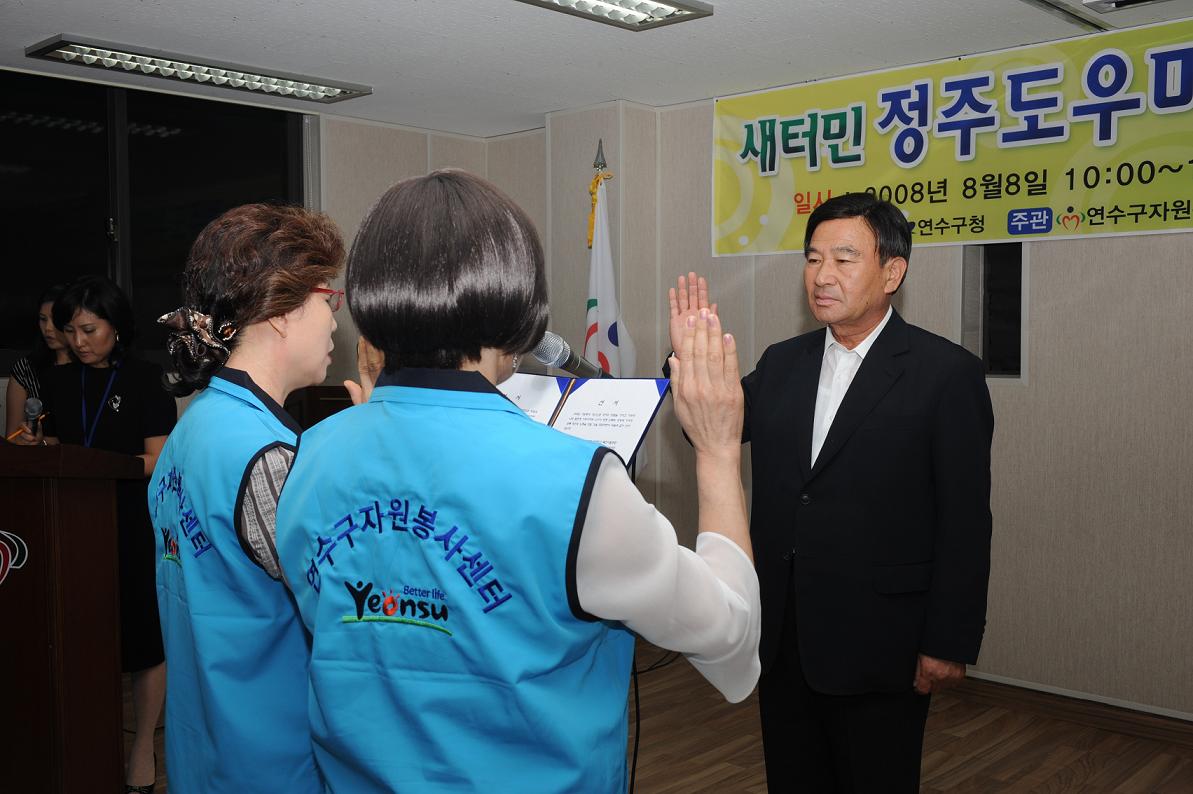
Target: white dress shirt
[837, 369]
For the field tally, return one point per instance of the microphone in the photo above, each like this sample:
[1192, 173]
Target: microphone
[33, 407]
[555, 352]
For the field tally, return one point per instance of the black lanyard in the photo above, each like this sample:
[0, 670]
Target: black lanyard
[89, 435]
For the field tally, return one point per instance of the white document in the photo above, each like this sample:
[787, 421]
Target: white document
[613, 412]
[537, 395]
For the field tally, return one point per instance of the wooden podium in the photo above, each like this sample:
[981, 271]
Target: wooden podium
[60, 616]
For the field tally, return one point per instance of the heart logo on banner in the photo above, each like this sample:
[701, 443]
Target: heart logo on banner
[1074, 219]
[13, 553]
[5, 562]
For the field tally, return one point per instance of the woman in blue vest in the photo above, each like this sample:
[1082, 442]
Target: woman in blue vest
[472, 579]
[257, 324]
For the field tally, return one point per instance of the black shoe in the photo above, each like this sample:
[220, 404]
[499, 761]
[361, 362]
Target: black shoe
[147, 789]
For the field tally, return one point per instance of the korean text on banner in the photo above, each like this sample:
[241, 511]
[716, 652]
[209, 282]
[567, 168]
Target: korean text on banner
[1086, 136]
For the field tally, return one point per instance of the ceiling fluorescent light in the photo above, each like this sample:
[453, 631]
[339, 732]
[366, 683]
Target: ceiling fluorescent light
[1082, 19]
[1106, 6]
[118, 58]
[629, 14]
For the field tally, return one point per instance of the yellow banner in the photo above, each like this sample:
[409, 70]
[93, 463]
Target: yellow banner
[1086, 136]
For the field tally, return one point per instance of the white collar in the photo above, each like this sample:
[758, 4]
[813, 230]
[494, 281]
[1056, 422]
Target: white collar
[863, 347]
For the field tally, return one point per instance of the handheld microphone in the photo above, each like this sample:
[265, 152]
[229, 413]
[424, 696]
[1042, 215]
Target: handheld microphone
[33, 408]
[554, 351]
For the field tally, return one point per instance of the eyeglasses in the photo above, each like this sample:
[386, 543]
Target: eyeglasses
[335, 297]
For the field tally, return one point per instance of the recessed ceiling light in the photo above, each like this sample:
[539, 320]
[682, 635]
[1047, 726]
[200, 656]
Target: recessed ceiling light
[1082, 19]
[629, 14]
[81, 51]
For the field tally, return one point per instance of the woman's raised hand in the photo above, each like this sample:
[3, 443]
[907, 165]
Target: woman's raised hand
[706, 384]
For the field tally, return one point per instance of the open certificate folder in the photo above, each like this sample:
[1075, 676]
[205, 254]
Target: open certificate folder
[613, 412]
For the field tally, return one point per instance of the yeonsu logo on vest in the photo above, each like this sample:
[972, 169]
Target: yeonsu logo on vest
[169, 545]
[413, 606]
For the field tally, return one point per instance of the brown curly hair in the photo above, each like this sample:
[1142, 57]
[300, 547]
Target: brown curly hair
[253, 262]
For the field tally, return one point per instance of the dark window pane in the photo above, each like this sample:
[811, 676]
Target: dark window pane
[189, 161]
[53, 193]
[1003, 270]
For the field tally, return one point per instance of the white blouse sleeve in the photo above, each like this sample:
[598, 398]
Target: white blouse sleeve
[704, 604]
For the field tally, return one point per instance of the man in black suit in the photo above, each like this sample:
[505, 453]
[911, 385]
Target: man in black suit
[870, 443]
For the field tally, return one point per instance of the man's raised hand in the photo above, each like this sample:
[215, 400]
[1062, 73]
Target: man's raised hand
[687, 298]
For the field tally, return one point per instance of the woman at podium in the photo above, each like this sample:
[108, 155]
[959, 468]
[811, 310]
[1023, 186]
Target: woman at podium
[256, 324]
[473, 579]
[110, 399]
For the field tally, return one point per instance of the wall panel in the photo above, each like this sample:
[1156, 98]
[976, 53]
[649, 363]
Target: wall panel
[1092, 462]
[360, 162]
[930, 295]
[638, 272]
[450, 151]
[518, 165]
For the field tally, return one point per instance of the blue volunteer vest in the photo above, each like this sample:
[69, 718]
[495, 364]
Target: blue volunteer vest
[236, 652]
[430, 536]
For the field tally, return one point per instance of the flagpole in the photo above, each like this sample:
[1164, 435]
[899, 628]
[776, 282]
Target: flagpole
[598, 162]
[602, 174]
[606, 336]
[601, 169]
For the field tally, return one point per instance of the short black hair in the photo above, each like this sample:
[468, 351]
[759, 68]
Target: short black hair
[443, 266]
[890, 226]
[100, 296]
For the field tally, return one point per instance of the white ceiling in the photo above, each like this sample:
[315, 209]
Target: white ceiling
[489, 67]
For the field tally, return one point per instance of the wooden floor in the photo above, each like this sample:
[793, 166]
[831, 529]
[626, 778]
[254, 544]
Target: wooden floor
[981, 737]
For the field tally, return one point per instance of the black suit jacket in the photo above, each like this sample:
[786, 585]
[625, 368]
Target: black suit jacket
[887, 537]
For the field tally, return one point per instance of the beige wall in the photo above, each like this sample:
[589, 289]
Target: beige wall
[1092, 464]
[1090, 591]
[518, 165]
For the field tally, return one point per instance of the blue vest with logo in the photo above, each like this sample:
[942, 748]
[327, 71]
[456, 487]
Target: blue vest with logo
[236, 652]
[430, 536]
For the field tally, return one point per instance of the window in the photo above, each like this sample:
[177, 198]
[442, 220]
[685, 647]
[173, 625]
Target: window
[120, 182]
[189, 161]
[992, 306]
[53, 194]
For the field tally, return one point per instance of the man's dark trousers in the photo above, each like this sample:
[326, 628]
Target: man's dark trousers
[837, 744]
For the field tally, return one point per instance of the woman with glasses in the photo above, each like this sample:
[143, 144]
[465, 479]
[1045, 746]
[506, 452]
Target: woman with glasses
[255, 325]
[49, 350]
[109, 399]
[473, 579]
